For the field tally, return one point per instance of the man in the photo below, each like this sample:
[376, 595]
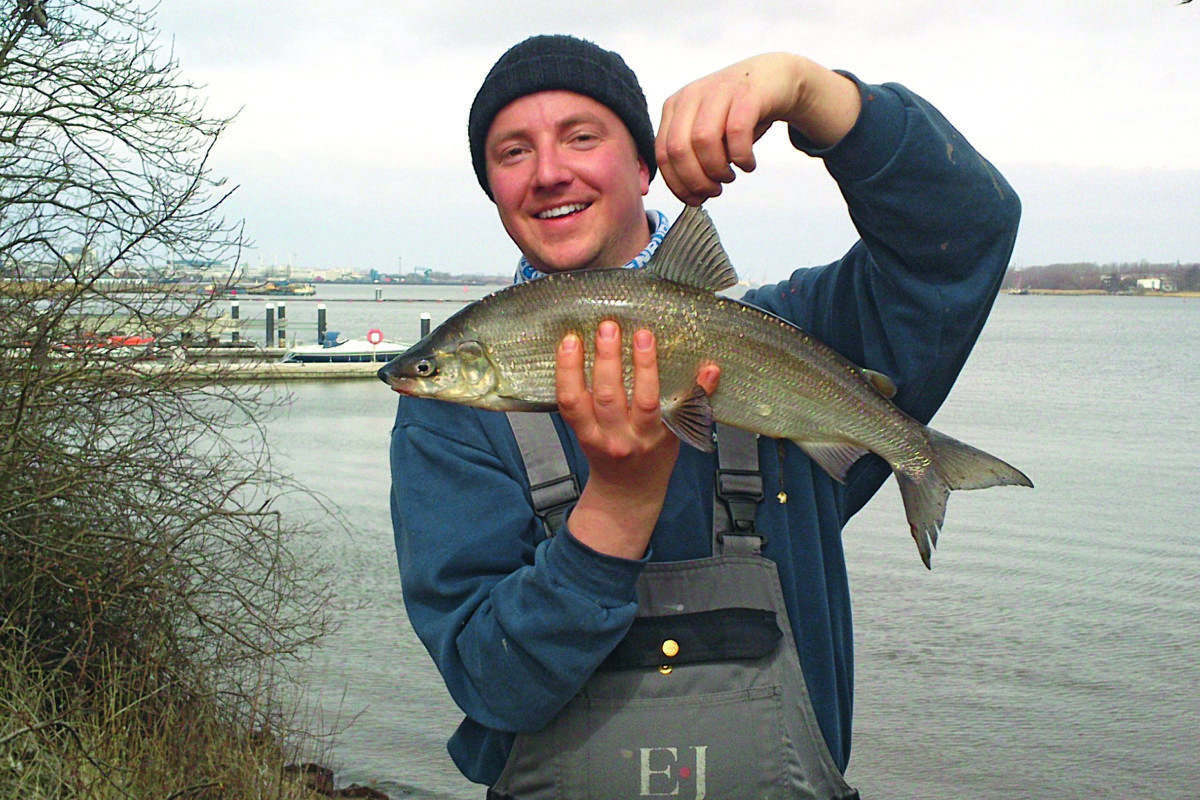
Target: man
[537, 636]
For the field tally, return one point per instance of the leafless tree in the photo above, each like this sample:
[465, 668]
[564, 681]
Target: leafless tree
[136, 518]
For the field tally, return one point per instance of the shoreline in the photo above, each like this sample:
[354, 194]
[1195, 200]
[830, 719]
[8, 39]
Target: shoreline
[1097, 293]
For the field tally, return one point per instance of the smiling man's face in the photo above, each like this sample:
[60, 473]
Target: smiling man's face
[567, 181]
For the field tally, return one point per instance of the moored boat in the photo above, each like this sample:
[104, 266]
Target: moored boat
[287, 288]
[338, 350]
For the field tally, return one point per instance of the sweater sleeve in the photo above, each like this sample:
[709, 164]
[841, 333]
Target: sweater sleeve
[937, 225]
[496, 603]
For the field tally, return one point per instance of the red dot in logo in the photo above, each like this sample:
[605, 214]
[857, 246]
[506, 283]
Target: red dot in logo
[685, 773]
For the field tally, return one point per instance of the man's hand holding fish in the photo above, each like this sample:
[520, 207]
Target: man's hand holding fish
[629, 451]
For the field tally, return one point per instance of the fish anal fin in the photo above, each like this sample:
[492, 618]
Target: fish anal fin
[836, 458]
[692, 254]
[882, 383]
[690, 417]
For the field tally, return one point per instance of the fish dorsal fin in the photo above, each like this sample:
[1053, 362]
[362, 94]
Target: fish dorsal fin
[692, 254]
[882, 383]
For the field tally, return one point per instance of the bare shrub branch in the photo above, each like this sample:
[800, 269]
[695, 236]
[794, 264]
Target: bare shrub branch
[137, 537]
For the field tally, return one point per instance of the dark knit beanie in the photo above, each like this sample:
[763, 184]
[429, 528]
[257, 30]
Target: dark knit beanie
[542, 63]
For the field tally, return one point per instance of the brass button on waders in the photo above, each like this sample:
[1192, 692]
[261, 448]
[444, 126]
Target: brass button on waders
[670, 649]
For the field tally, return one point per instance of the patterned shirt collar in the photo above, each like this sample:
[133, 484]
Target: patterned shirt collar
[657, 220]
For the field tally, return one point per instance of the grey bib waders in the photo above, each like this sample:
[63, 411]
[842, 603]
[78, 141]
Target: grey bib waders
[704, 697]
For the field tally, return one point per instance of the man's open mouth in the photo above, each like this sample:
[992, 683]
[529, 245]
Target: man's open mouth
[562, 211]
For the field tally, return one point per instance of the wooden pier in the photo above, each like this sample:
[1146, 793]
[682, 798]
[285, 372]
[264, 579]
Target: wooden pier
[262, 364]
[272, 371]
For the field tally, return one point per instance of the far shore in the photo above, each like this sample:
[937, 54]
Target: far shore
[1100, 293]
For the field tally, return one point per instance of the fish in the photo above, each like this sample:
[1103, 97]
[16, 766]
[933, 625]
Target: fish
[777, 381]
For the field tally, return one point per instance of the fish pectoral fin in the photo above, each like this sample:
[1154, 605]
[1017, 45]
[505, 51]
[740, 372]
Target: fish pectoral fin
[836, 458]
[690, 417]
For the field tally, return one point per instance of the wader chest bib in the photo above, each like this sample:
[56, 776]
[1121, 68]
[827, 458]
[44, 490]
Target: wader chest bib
[704, 697]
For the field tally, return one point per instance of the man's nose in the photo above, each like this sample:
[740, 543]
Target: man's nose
[552, 168]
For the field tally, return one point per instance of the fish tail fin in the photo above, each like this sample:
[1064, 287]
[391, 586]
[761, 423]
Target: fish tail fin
[956, 465]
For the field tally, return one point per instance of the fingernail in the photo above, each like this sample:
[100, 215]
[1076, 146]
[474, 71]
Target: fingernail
[643, 340]
[608, 330]
[570, 343]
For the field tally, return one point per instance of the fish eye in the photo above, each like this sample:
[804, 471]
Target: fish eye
[424, 368]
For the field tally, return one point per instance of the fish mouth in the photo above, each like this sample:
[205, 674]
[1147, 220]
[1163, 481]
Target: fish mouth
[564, 210]
[400, 386]
[397, 383]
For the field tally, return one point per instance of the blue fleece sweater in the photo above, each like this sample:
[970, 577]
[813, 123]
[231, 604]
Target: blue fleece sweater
[517, 623]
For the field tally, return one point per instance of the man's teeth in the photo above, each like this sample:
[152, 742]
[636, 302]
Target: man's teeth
[562, 211]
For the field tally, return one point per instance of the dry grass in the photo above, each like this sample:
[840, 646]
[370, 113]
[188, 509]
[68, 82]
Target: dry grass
[122, 740]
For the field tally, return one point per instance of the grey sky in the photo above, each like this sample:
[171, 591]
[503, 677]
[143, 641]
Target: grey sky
[350, 147]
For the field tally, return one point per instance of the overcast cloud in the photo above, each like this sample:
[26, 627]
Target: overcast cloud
[350, 145]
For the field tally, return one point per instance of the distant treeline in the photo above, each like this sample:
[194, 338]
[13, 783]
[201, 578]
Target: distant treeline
[1176, 277]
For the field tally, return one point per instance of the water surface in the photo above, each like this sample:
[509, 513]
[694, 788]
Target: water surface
[1050, 652]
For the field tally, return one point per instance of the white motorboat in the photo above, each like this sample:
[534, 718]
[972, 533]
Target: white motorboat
[336, 349]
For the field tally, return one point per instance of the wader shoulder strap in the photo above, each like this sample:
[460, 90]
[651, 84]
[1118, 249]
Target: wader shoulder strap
[552, 485]
[737, 489]
[738, 485]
